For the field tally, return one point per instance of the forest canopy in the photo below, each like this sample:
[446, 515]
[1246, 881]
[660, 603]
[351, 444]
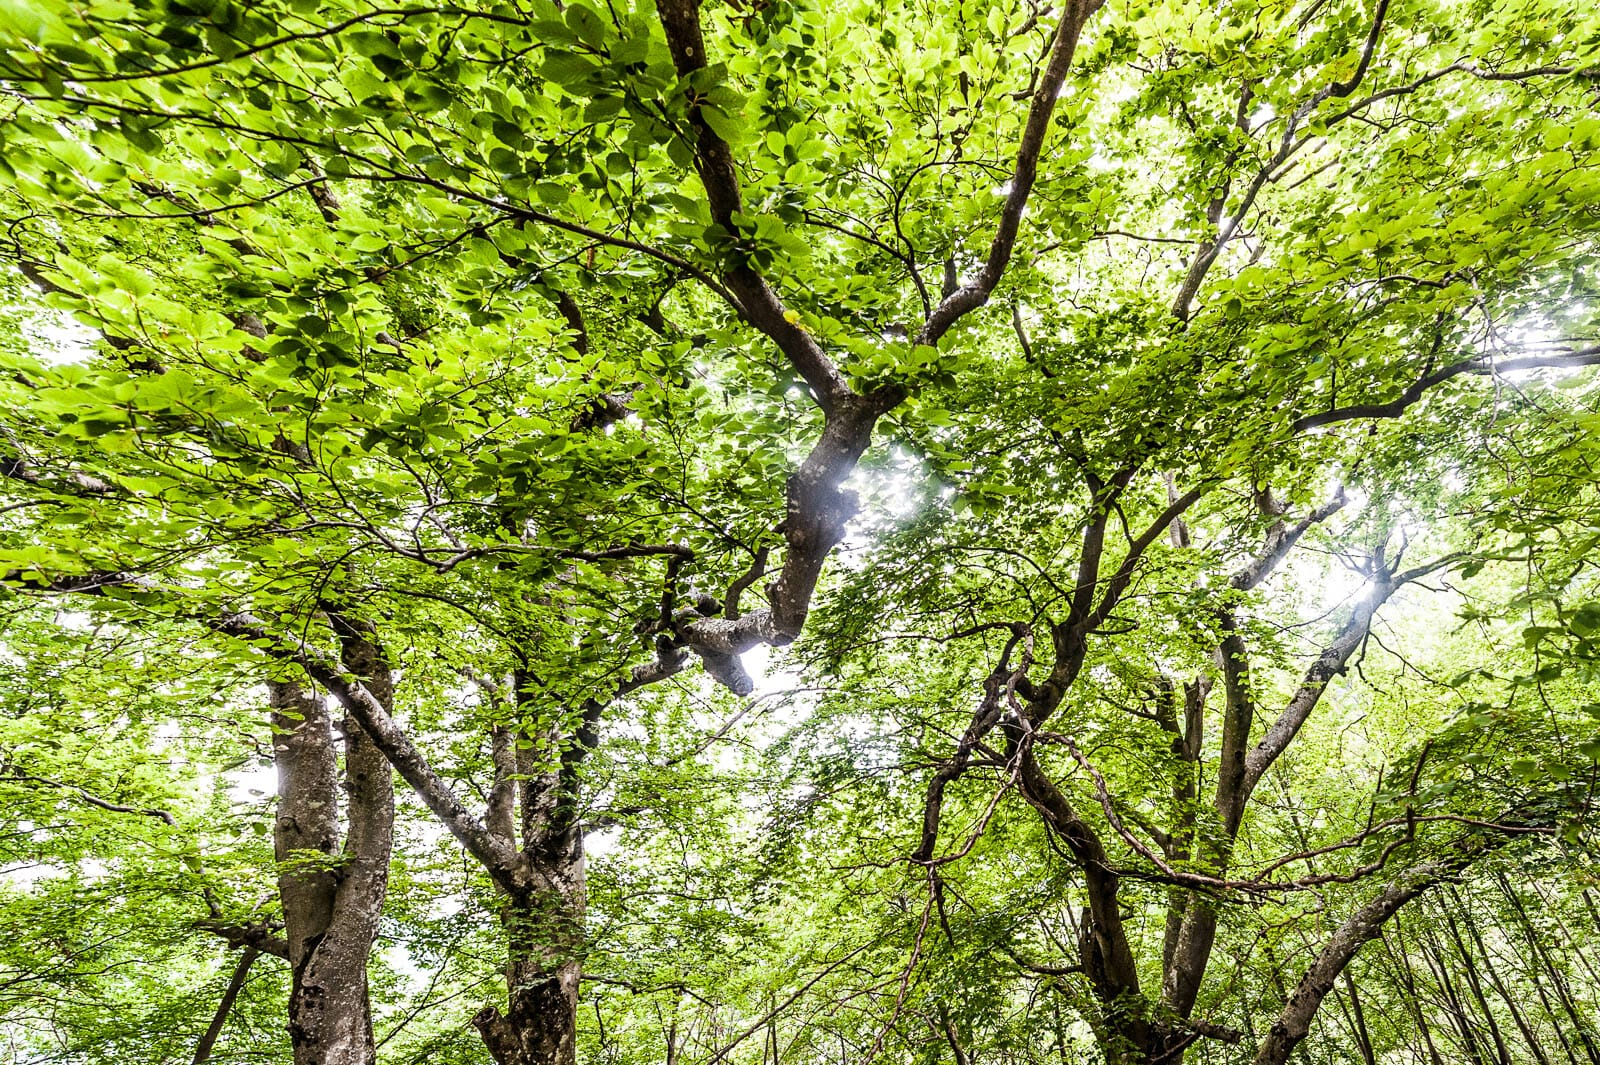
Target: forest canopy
[539, 531]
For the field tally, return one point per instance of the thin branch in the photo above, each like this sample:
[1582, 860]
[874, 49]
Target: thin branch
[202, 1050]
[93, 799]
[1418, 389]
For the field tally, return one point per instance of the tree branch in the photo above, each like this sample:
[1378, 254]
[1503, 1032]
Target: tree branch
[501, 861]
[1414, 393]
[680, 19]
[202, 1050]
[975, 293]
[1362, 926]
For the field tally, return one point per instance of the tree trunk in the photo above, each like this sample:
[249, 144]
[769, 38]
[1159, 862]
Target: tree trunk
[1558, 980]
[1475, 985]
[1454, 1007]
[544, 935]
[1358, 1019]
[1528, 1034]
[1410, 995]
[543, 900]
[332, 891]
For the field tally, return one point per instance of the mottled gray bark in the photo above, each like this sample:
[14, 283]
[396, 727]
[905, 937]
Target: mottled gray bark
[1362, 926]
[332, 877]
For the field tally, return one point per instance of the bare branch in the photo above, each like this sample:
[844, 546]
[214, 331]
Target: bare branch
[92, 799]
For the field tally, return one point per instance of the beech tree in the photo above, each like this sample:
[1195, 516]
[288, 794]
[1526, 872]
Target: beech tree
[463, 380]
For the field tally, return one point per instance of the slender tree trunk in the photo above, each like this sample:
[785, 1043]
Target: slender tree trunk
[1517, 1016]
[1588, 904]
[1401, 966]
[1578, 955]
[1438, 965]
[1359, 1021]
[1475, 985]
[1558, 980]
[208, 1041]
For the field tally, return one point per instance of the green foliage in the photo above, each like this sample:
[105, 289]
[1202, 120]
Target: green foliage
[422, 316]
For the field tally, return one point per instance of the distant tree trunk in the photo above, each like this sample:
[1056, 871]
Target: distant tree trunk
[1558, 980]
[1470, 971]
[1578, 955]
[1413, 1001]
[331, 889]
[1517, 1016]
[1457, 1011]
[1358, 1020]
[1588, 904]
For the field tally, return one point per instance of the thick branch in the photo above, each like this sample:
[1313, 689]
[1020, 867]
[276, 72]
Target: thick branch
[1107, 956]
[1281, 539]
[496, 857]
[1365, 924]
[680, 19]
[998, 690]
[1118, 584]
[258, 937]
[1329, 664]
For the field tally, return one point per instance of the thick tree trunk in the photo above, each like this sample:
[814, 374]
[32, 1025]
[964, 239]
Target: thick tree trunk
[544, 936]
[332, 891]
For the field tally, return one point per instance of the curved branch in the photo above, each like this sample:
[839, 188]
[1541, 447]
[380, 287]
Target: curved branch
[1418, 389]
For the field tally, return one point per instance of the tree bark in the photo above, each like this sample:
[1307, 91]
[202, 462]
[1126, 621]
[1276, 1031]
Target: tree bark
[331, 889]
[1365, 924]
[541, 910]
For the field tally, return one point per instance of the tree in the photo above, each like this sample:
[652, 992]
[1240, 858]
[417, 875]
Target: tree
[523, 337]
